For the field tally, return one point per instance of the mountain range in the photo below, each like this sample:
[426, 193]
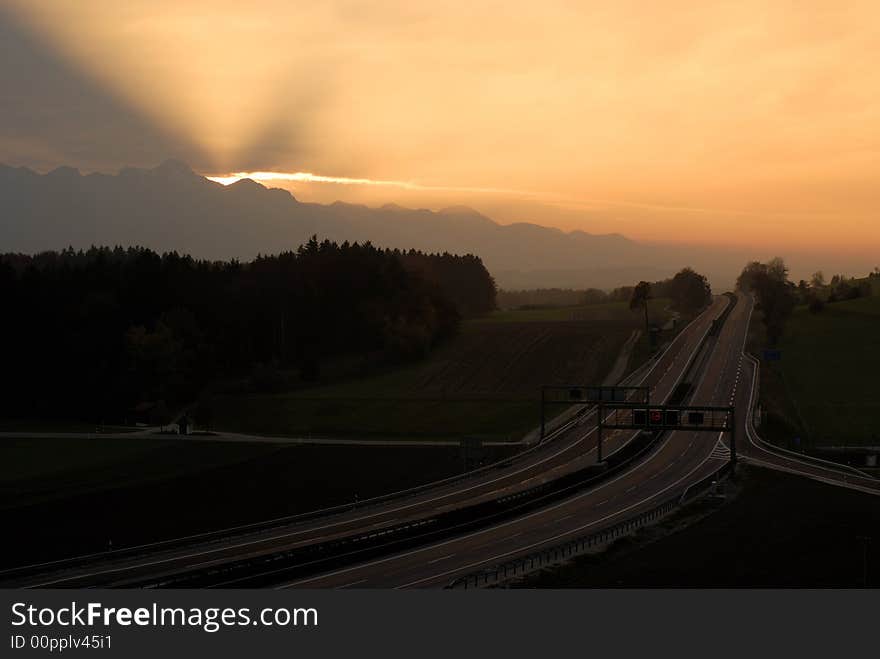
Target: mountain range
[170, 207]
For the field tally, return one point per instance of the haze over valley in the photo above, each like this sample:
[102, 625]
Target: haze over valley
[171, 208]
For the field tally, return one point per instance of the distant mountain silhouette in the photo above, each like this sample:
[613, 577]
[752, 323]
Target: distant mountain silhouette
[170, 207]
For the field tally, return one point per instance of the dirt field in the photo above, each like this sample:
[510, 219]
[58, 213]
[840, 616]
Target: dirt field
[484, 383]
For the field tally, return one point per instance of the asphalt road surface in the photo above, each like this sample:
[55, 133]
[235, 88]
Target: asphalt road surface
[721, 374]
[572, 447]
[684, 458]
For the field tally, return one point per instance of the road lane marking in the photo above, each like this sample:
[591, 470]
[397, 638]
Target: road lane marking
[520, 550]
[348, 585]
[543, 511]
[457, 493]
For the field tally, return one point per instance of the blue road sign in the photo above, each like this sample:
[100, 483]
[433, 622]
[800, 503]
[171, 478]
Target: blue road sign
[772, 355]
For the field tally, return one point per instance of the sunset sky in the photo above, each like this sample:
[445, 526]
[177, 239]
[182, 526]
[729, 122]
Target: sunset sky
[683, 120]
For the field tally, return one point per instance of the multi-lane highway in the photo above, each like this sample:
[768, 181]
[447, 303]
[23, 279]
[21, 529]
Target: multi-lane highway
[572, 447]
[683, 459]
[714, 364]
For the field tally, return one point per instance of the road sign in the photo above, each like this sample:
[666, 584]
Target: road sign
[629, 415]
[575, 394]
[607, 394]
[772, 355]
[661, 418]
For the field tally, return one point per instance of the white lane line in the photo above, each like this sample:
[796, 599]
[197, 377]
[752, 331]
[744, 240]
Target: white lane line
[353, 583]
[526, 517]
[490, 529]
[815, 477]
[363, 517]
[437, 560]
[520, 550]
[599, 521]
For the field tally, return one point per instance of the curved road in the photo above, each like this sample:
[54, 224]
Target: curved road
[724, 375]
[684, 458]
[573, 447]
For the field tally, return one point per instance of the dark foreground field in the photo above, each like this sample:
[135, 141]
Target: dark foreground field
[778, 531]
[65, 497]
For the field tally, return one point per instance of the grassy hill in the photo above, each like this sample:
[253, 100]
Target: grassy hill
[831, 365]
[825, 389]
[484, 383]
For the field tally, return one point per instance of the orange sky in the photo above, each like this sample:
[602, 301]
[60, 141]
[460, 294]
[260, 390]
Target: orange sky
[686, 120]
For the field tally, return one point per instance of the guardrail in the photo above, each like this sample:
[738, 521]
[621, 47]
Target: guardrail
[219, 535]
[584, 544]
[260, 570]
[265, 525]
[559, 553]
[266, 569]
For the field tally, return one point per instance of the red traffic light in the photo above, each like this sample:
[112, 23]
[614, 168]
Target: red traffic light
[656, 416]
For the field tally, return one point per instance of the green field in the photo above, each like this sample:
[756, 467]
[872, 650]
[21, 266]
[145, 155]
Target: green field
[826, 387]
[484, 383]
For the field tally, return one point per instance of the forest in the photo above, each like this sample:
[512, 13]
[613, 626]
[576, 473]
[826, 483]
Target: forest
[97, 335]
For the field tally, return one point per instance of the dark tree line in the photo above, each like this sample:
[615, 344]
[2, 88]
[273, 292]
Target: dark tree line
[840, 289]
[688, 290]
[776, 296]
[464, 279]
[90, 334]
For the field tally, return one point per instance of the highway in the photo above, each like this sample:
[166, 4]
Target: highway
[572, 448]
[683, 459]
[720, 374]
